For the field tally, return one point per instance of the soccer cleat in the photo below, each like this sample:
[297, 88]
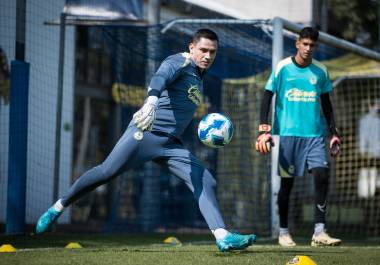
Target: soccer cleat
[323, 239]
[46, 220]
[286, 240]
[233, 241]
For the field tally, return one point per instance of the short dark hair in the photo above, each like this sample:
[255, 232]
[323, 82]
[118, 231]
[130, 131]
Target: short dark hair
[204, 33]
[309, 33]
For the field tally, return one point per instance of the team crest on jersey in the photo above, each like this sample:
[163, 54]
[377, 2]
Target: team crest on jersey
[313, 80]
[194, 95]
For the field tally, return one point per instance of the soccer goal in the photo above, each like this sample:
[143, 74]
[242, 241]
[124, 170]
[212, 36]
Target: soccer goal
[148, 198]
[248, 182]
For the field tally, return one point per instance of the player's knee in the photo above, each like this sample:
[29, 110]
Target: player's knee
[286, 186]
[205, 184]
[283, 196]
[285, 190]
[209, 180]
[321, 175]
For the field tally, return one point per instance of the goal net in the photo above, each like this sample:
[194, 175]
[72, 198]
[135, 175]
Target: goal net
[234, 85]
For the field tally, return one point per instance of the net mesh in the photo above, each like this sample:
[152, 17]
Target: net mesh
[41, 52]
[234, 86]
[243, 51]
[354, 184]
[120, 61]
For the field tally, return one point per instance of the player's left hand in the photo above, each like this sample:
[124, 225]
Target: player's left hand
[144, 117]
[334, 145]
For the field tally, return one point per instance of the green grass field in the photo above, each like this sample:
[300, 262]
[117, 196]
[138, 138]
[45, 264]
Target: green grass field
[196, 249]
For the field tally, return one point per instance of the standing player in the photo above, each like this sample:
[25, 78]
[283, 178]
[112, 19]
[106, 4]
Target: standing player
[301, 85]
[154, 134]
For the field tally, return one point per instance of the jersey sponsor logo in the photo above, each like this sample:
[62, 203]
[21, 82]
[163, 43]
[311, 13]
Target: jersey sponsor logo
[194, 95]
[295, 94]
[290, 79]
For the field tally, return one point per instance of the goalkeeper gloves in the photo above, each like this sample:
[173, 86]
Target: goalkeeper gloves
[334, 145]
[335, 141]
[144, 117]
[264, 142]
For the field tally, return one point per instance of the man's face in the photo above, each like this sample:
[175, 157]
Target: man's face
[305, 48]
[203, 52]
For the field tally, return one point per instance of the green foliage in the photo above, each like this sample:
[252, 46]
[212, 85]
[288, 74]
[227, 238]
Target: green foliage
[354, 20]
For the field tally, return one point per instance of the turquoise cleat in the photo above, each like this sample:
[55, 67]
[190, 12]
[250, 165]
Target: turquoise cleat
[234, 241]
[46, 220]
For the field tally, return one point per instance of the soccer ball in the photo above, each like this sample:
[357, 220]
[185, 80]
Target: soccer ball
[215, 130]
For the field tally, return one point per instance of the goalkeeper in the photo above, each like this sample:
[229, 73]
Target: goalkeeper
[301, 85]
[154, 134]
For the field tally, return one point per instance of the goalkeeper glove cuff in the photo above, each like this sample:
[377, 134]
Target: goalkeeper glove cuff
[145, 116]
[265, 128]
[152, 100]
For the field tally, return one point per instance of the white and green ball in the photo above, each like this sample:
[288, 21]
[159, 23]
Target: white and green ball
[215, 130]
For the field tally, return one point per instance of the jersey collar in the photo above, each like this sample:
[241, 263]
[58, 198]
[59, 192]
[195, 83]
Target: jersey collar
[297, 64]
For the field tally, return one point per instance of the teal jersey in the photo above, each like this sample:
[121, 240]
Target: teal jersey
[298, 90]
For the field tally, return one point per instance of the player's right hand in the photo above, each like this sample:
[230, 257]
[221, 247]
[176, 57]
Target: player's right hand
[264, 142]
[144, 117]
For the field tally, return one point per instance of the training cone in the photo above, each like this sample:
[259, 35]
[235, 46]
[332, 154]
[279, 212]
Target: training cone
[73, 245]
[7, 248]
[301, 260]
[173, 241]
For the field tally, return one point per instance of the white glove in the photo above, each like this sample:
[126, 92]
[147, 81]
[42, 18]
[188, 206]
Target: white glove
[144, 117]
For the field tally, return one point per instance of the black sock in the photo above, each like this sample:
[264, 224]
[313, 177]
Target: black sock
[321, 183]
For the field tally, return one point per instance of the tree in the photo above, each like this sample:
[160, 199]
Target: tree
[355, 20]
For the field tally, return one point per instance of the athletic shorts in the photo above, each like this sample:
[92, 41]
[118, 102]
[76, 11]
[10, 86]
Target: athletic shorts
[297, 152]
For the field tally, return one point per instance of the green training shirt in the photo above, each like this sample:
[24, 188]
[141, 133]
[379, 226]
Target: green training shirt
[298, 90]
